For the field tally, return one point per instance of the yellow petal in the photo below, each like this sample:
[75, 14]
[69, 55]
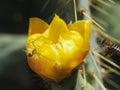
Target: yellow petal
[83, 27]
[87, 34]
[70, 44]
[37, 25]
[56, 28]
[78, 26]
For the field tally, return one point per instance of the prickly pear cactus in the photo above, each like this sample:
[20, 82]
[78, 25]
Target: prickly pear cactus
[96, 69]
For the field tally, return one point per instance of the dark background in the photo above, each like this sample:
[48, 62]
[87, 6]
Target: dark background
[14, 14]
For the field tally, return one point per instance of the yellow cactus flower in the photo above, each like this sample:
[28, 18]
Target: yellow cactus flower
[54, 50]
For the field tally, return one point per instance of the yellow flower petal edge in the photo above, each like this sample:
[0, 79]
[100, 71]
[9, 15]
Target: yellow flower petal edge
[36, 25]
[56, 50]
[83, 27]
[56, 28]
